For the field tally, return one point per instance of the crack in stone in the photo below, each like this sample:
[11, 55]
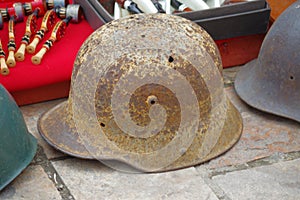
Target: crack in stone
[207, 174]
[42, 160]
[275, 158]
[221, 195]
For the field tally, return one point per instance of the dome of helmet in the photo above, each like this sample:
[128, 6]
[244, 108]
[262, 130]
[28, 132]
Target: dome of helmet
[146, 90]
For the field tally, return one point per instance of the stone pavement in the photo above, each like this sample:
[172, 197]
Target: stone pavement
[264, 164]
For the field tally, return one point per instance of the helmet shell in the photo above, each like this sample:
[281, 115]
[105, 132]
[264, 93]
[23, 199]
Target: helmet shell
[17, 145]
[271, 83]
[146, 90]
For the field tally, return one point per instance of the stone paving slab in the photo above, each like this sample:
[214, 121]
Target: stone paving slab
[280, 181]
[32, 184]
[92, 180]
[31, 115]
[263, 135]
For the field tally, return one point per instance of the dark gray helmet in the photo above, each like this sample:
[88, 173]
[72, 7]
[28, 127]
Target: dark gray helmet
[271, 83]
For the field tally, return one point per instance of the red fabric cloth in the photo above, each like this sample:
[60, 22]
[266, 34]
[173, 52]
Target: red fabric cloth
[57, 64]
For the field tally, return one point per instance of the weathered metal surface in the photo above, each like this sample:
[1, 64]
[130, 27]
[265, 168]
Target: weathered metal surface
[58, 129]
[17, 145]
[146, 90]
[272, 82]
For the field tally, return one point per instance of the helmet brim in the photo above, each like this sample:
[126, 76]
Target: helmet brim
[231, 132]
[59, 130]
[230, 135]
[263, 94]
[15, 167]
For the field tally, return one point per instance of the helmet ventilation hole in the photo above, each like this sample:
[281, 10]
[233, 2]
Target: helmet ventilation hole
[151, 100]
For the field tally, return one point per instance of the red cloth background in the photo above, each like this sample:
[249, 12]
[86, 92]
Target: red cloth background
[57, 64]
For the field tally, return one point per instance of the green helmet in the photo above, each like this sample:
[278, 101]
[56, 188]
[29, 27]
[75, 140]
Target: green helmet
[17, 145]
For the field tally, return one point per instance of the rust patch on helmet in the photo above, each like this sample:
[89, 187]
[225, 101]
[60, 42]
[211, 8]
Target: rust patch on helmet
[139, 109]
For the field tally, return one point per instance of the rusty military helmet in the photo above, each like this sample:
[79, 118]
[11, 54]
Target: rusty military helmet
[146, 90]
[17, 145]
[271, 83]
